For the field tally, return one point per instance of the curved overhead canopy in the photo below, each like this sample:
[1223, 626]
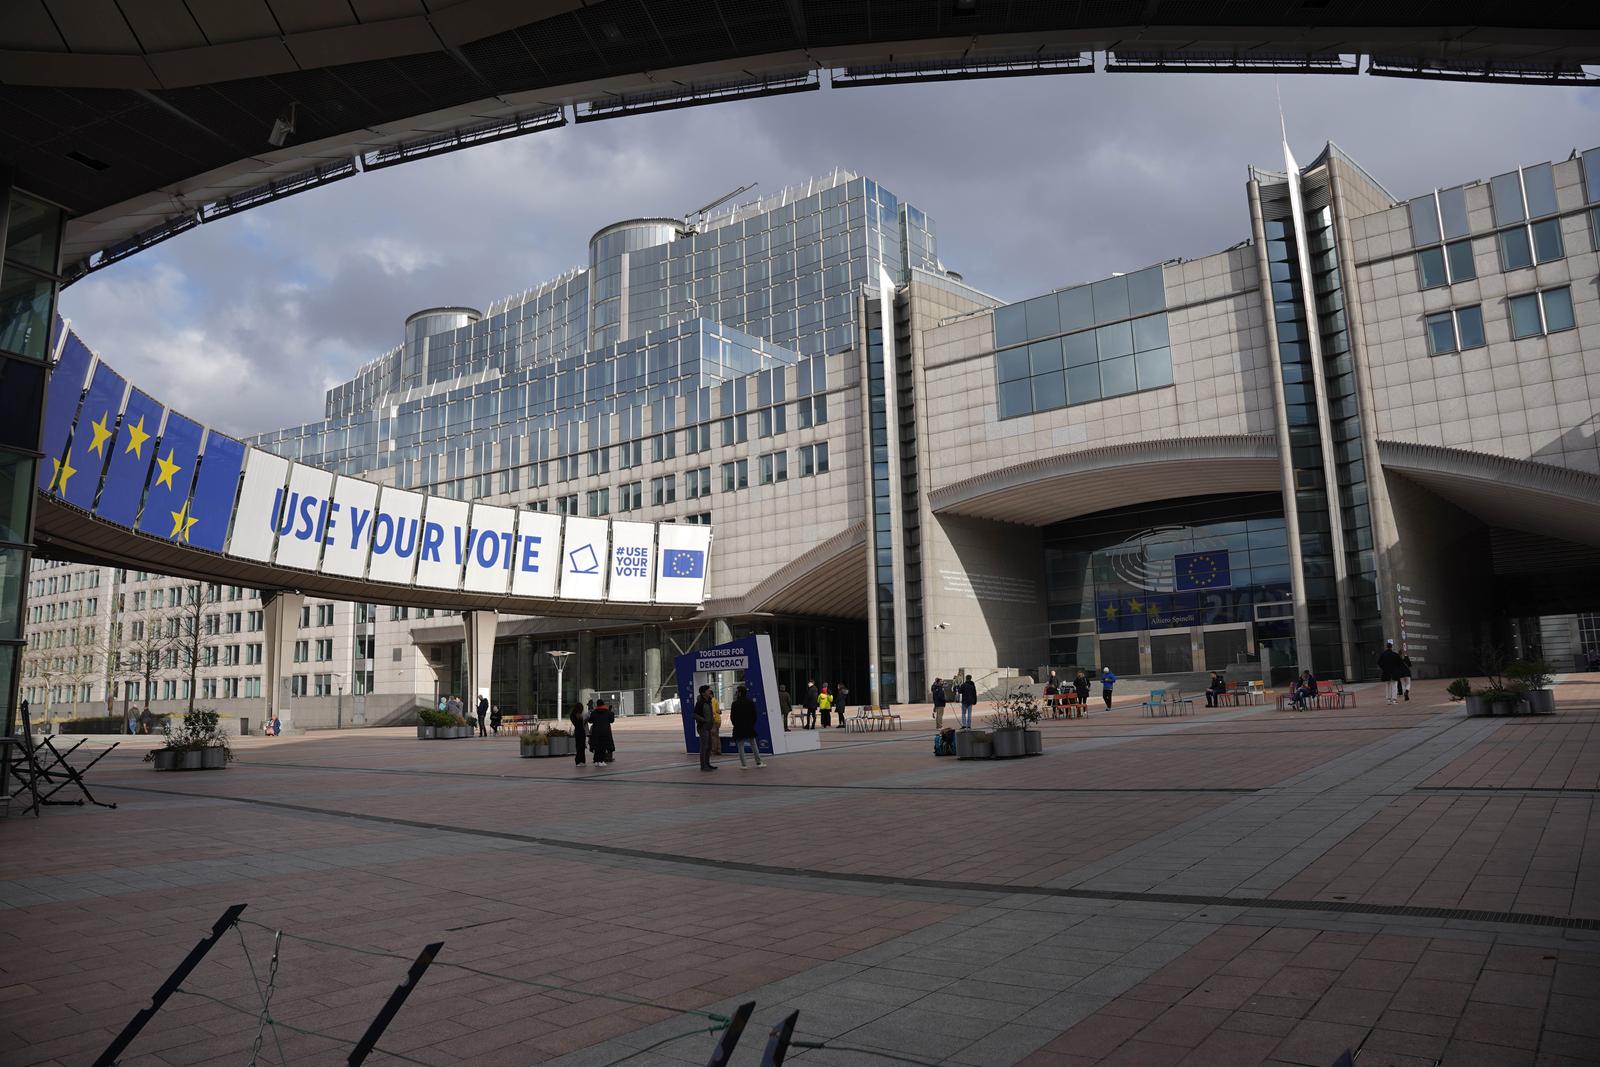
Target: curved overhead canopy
[1043, 491]
[144, 119]
[1517, 494]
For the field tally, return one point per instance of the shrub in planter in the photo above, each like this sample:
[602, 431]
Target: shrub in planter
[195, 745]
[561, 741]
[535, 744]
[1460, 689]
[1006, 731]
[1535, 675]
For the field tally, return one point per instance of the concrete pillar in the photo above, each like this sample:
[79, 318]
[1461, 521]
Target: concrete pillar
[652, 663]
[582, 680]
[721, 632]
[480, 627]
[525, 675]
[281, 609]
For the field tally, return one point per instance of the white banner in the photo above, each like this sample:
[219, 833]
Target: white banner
[491, 549]
[396, 530]
[633, 555]
[538, 554]
[301, 517]
[349, 527]
[584, 550]
[684, 552]
[441, 546]
[264, 478]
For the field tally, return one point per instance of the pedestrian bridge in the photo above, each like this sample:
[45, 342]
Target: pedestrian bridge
[128, 481]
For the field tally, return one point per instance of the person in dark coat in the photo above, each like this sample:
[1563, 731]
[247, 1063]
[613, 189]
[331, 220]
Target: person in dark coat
[600, 741]
[1405, 676]
[838, 705]
[1215, 690]
[939, 701]
[705, 719]
[742, 715]
[483, 716]
[580, 733]
[809, 699]
[784, 701]
[1081, 685]
[969, 700]
[1389, 668]
[494, 719]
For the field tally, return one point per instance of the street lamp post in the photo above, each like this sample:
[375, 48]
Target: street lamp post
[560, 659]
[339, 707]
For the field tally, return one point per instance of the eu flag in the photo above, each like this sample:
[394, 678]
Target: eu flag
[1201, 570]
[215, 487]
[60, 405]
[683, 563]
[94, 439]
[166, 504]
[131, 459]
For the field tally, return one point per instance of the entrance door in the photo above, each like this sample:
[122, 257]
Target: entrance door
[1226, 646]
[1121, 654]
[1171, 653]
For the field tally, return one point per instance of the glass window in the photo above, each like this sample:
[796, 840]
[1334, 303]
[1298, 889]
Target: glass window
[1117, 376]
[1506, 193]
[1462, 268]
[1525, 321]
[1042, 317]
[32, 233]
[1469, 327]
[1430, 268]
[1149, 333]
[1010, 325]
[1013, 364]
[1515, 252]
[1547, 240]
[1110, 299]
[1540, 185]
[1044, 356]
[1080, 349]
[1424, 221]
[1083, 384]
[1441, 334]
[1154, 367]
[1016, 398]
[1146, 292]
[1114, 341]
[1591, 176]
[1557, 309]
[1453, 212]
[25, 318]
[1050, 391]
[1076, 307]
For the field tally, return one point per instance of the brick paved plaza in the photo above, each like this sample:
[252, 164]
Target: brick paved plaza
[1241, 886]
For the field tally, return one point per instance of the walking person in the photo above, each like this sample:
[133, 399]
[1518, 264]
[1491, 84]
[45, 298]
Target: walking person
[1107, 680]
[600, 741]
[580, 733]
[1405, 675]
[840, 703]
[705, 726]
[809, 699]
[1080, 685]
[483, 715]
[969, 699]
[825, 706]
[1389, 668]
[939, 701]
[743, 717]
[785, 702]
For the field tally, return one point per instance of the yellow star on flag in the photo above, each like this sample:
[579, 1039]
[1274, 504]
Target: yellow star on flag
[182, 523]
[1111, 611]
[137, 437]
[168, 469]
[1134, 606]
[101, 434]
[1152, 610]
[62, 471]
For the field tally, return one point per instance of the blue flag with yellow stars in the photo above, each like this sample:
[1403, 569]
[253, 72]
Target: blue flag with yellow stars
[60, 405]
[94, 440]
[166, 503]
[1201, 570]
[206, 523]
[131, 460]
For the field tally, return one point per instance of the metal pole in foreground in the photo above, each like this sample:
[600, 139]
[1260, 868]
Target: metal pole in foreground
[560, 658]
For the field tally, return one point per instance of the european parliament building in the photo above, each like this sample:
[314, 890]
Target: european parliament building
[1371, 419]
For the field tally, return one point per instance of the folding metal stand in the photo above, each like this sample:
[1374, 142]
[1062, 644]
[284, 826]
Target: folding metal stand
[43, 780]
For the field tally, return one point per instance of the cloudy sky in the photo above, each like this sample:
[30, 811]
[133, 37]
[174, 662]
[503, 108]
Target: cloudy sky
[1034, 183]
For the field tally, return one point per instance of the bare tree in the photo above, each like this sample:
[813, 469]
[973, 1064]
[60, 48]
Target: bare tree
[189, 642]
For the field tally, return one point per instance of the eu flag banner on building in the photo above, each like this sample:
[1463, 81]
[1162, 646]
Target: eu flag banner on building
[681, 574]
[60, 405]
[1201, 570]
[166, 505]
[94, 439]
[131, 460]
[683, 563]
[215, 486]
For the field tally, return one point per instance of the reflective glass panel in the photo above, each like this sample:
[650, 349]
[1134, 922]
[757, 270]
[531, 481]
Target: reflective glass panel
[33, 233]
[1547, 240]
[1080, 349]
[1441, 334]
[1042, 317]
[1506, 193]
[1453, 212]
[1424, 221]
[1117, 376]
[1515, 252]
[1540, 185]
[1076, 308]
[1462, 267]
[25, 314]
[1116, 340]
[1146, 292]
[1044, 356]
[1050, 391]
[1591, 176]
[1016, 398]
[1013, 364]
[1525, 320]
[1558, 309]
[1110, 299]
[1469, 327]
[1083, 384]
[1430, 268]
[1154, 368]
[1010, 325]
[1149, 333]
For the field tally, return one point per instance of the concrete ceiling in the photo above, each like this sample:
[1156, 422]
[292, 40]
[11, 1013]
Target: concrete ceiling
[144, 117]
[830, 579]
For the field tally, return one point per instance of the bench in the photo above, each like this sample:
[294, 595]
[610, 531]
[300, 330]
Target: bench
[1064, 705]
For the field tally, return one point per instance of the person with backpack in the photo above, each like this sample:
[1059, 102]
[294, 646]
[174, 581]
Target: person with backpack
[742, 715]
[1107, 680]
[969, 700]
[939, 701]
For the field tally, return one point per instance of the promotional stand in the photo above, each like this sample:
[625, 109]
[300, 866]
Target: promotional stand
[746, 662]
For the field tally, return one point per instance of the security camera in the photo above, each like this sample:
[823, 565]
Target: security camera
[282, 128]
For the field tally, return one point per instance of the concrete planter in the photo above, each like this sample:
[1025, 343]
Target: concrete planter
[1010, 744]
[166, 759]
[1034, 742]
[563, 746]
[425, 733]
[214, 758]
[191, 760]
[1541, 701]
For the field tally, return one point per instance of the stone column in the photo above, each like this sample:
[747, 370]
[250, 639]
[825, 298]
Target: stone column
[281, 609]
[480, 629]
[583, 679]
[652, 663]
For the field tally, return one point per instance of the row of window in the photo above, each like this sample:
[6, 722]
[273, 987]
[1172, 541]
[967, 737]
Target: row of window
[65, 583]
[63, 610]
[302, 650]
[810, 412]
[1521, 246]
[772, 467]
[1532, 315]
